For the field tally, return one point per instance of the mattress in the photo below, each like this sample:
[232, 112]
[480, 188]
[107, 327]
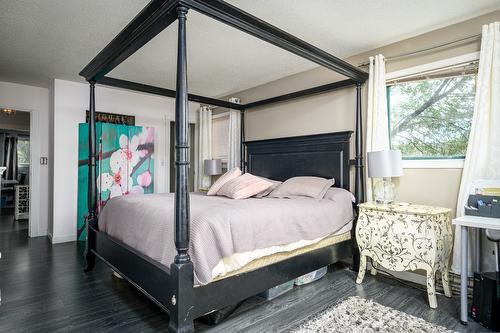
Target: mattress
[222, 228]
[270, 259]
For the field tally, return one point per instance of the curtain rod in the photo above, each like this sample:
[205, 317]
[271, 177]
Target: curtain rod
[404, 55]
[473, 64]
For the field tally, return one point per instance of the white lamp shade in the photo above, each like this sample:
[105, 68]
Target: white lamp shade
[212, 167]
[385, 163]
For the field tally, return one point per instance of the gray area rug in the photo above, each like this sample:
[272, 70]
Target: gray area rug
[357, 314]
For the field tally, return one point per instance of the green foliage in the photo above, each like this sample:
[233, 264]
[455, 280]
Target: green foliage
[432, 118]
[23, 151]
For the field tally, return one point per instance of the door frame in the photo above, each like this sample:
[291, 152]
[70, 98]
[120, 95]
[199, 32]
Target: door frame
[34, 171]
[34, 176]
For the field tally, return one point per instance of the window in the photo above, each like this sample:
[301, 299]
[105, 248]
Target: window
[220, 136]
[430, 113]
[23, 151]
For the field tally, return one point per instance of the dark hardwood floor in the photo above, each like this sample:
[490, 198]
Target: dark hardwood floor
[45, 290]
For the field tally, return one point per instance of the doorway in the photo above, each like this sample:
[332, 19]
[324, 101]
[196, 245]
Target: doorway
[15, 161]
[191, 156]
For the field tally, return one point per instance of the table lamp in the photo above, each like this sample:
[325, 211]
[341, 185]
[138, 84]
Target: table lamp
[384, 164]
[212, 167]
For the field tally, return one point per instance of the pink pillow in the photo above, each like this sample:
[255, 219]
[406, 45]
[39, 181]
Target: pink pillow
[266, 192]
[231, 174]
[244, 186]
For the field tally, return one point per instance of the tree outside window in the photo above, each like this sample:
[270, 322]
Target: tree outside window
[431, 118]
[23, 151]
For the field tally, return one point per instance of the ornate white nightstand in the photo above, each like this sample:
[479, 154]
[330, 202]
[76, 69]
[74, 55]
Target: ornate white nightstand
[406, 238]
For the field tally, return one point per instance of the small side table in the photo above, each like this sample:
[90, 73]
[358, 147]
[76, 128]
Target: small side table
[466, 222]
[406, 238]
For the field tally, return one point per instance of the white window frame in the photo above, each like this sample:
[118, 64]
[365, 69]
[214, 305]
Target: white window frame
[446, 163]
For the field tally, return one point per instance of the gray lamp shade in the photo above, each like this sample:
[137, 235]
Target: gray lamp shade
[212, 167]
[385, 163]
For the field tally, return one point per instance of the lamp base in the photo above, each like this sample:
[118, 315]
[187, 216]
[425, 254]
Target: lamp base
[384, 191]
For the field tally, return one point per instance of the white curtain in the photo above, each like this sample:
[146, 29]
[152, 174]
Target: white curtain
[482, 160]
[204, 145]
[233, 159]
[377, 131]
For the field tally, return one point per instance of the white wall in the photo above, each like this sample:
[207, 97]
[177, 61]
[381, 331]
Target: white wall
[71, 99]
[334, 111]
[36, 101]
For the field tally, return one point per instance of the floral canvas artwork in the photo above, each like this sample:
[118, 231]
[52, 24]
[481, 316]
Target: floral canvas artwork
[125, 165]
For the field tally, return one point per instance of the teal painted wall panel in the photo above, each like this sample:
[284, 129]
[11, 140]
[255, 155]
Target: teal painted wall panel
[125, 165]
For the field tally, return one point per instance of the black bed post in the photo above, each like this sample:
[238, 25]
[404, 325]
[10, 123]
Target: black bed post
[242, 140]
[359, 187]
[182, 268]
[92, 186]
[359, 190]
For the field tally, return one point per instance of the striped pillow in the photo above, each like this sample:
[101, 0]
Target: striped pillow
[266, 192]
[244, 186]
[231, 174]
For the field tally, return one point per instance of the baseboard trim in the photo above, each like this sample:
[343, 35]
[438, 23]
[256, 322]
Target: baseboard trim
[61, 239]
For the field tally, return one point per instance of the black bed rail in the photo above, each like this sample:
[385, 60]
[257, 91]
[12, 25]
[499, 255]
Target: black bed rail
[152, 20]
[235, 17]
[124, 84]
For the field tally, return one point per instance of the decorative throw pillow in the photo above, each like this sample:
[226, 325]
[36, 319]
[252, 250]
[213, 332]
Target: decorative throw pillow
[244, 186]
[231, 174]
[306, 186]
[336, 193]
[266, 192]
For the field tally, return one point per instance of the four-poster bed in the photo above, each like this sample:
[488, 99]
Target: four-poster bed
[324, 155]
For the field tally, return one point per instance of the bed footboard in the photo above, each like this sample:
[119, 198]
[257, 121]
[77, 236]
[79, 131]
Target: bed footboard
[173, 290]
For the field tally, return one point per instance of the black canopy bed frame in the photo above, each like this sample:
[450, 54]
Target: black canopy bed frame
[327, 155]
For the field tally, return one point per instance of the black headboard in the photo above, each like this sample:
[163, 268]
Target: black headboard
[323, 155]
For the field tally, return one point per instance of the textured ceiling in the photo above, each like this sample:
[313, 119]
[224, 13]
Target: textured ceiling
[48, 39]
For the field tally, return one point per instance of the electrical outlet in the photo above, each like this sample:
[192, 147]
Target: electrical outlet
[44, 160]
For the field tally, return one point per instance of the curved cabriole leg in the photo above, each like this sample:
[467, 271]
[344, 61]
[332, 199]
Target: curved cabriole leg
[431, 288]
[362, 269]
[445, 278]
[373, 271]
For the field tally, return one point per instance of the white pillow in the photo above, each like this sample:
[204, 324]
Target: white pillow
[305, 186]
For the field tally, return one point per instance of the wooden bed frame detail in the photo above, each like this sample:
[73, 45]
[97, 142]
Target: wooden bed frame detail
[326, 155]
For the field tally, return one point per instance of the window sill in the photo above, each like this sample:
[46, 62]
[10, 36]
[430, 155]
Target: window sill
[434, 164]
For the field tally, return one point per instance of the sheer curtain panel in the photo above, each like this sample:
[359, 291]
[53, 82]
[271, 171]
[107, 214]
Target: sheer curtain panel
[233, 160]
[377, 129]
[204, 145]
[482, 160]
